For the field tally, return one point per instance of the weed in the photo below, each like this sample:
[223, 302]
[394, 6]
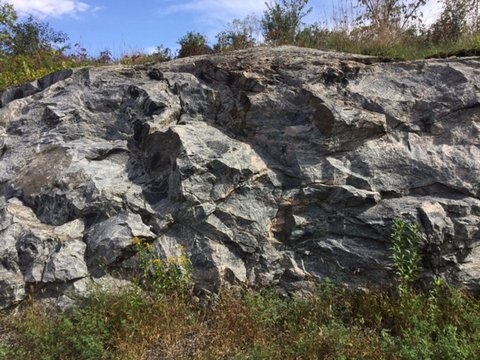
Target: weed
[173, 274]
[406, 246]
[334, 323]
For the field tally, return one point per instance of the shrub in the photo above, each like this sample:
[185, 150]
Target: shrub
[19, 69]
[239, 34]
[281, 21]
[385, 19]
[193, 44]
[452, 23]
[160, 276]
[333, 323]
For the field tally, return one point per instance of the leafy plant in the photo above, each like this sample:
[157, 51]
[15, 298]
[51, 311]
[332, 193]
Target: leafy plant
[281, 21]
[23, 68]
[194, 43]
[162, 53]
[27, 37]
[239, 34]
[457, 18]
[31, 36]
[105, 57]
[333, 323]
[173, 274]
[406, 251]
[7, 351]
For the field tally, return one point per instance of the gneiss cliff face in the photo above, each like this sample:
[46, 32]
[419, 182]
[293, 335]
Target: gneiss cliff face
[269, 166]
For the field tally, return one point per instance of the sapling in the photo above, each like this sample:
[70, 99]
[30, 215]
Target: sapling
[407, 242]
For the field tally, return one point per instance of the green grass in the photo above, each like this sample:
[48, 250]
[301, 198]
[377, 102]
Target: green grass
[401, 48]
[159, 317]
[19, 69]
[15, 70]
[334, 323]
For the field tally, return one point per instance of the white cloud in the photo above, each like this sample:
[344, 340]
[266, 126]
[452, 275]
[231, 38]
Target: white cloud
[217, 10]
[49, 8]
[211, 16]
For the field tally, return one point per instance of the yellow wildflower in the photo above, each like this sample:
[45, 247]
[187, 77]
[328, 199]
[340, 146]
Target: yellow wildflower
[137, 240]
[183, 260]
[157, 262]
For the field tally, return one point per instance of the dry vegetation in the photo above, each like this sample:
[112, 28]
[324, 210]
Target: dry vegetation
[159, 317]
[333, 323]
[395, 29]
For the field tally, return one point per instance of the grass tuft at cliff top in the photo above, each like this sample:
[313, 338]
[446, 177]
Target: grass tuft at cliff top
[15, 70]
[393, 30]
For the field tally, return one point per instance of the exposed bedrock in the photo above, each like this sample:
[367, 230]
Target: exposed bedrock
[269, 166]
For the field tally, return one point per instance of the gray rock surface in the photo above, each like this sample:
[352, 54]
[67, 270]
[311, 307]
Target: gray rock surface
[270, 166]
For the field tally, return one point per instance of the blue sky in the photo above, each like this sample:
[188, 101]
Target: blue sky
[128, 26]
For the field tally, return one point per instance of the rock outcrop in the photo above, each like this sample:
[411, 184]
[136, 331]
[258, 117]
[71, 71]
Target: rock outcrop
[270, 166]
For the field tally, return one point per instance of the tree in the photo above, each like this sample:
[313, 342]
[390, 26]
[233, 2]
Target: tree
[193, 44]
[387, 17]
[240, 34]
[451, 23]
[27, 37]
[282, 20]
[313, 36]
[457, 18]
[8, 17]
[29, 49]
[32, 36]
[475, 15]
